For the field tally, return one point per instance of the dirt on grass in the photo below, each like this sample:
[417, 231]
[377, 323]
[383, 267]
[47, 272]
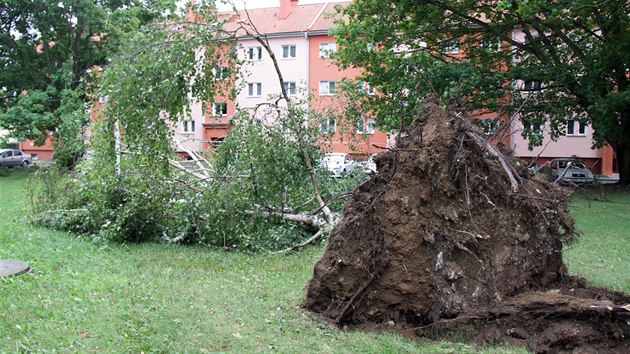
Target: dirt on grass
[452, 233]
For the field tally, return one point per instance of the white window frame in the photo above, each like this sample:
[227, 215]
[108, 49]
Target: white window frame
[215, 142]
[451, 46]
[537, 128]
[491, 45]
[365, 126]
[289, 51]
[575, 128]
[215, 109]
[324, 88]
[220, 73]
[328, 126]
[189, 92]
[370, 90]
[290, 87]
[326, 49]
[366, 88]
[490, 126]
[254, 53]
[188, 126]
[531, 85]
[254, 89]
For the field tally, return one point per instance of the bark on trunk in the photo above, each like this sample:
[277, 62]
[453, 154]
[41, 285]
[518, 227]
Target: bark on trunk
[623, 162]
[622, 149]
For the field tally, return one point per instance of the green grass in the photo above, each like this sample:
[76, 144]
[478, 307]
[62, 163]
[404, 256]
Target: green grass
[96, 297]
[602, 255]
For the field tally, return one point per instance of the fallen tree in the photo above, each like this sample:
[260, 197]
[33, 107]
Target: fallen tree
[452, 232]
[260, 190]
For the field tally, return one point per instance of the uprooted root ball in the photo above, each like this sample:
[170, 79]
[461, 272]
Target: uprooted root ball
[449, 225]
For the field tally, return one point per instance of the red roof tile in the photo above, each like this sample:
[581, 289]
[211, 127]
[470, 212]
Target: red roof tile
[327, 19]
[268, 21]
[316, 17]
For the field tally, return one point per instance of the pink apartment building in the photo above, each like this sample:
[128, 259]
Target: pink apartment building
[298, 35]
[577, 141]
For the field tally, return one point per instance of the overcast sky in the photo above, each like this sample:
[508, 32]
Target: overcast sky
[256, 4]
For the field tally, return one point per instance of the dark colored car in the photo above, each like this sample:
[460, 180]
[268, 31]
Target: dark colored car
[13, 157]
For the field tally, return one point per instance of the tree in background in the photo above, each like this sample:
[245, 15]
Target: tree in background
[48, 53]
[574, 59]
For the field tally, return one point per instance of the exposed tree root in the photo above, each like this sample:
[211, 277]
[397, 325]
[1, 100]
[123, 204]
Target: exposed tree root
[306, 242]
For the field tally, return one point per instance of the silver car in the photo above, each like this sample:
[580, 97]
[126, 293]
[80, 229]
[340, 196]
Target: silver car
[13, 157]
[571, 171]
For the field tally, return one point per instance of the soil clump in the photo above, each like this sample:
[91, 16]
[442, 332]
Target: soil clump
[453, 234]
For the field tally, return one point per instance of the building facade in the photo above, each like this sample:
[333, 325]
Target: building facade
[300, 40]
[577, 140]
[299, 37]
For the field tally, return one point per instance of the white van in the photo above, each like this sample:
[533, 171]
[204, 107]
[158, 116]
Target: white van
[338, 163]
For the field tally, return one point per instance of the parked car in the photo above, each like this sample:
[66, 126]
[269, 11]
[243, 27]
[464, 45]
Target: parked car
[369, 167]
[533, 167]
[576, 171]
[338, 163]
[13, 157]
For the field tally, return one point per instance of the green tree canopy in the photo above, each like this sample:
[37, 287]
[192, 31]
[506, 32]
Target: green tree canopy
[47, 52]
[573, 55]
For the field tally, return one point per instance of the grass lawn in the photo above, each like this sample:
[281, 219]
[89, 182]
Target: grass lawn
[603, 253]
[96, 297]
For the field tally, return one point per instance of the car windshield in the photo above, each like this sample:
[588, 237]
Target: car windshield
[574, 164]
[578, 164]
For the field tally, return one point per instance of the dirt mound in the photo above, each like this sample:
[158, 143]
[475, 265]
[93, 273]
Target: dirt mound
[447, 230]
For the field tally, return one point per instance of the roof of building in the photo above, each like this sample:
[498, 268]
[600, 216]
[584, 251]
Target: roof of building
[301, 18]
[327, 18]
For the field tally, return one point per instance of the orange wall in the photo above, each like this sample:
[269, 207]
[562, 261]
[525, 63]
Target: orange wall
[217, 126]
[324, 69]
[43, 152]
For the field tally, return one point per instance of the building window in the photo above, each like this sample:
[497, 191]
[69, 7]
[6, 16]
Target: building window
[365, 126]
[219, 109]
[575, 128]
[188, 126]
[450, 46]
[254, 53]
[488, 125]
[327, 126]
[254, 89]
[215, 142]
[189, 92]
[327, 88]
[220, 72]
[366, 88]
[531, 85]
[491, 44]
[288, 51]
[291, 88]
[326, 49]
[536, 128]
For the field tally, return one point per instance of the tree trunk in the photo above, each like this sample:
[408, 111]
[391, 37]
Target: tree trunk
[622, 149]
[623, 162]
